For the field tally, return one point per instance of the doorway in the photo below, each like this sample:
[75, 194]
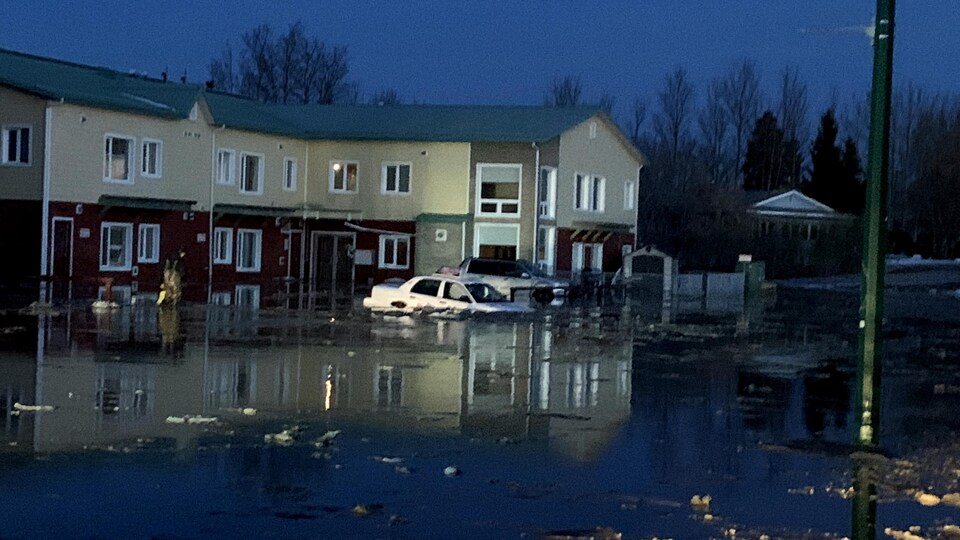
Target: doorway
[331, 269]
[61, 258]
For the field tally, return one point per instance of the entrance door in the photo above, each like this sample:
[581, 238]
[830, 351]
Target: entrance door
[332, 269]
[293, 244]
[61, 258]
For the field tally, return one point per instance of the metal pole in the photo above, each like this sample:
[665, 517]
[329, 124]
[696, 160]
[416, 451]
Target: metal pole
[874, 230]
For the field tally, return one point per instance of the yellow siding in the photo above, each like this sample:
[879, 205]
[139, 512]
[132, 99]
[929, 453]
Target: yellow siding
[20, 182]
[273, 149]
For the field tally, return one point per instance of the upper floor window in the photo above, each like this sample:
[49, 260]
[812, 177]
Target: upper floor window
[116, 246]
[343, 176]
[118, 159]
[629, 195]
[251, 173]
[148, 243]
[395, 178]
[590, 192]
[499, 187]
[289, 174]
[16, 145]
[226, 167]
[394, 251]
[547, 192]
[151, 158]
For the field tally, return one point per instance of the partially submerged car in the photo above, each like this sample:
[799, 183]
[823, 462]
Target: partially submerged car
[440, 294]
[510, 277]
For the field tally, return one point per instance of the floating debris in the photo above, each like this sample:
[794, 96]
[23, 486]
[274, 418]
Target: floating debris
[452, 471]
[326, 438]
[285, 438]
[926, 499]
[188, 419]
[599, 533]
[901, 535]
[701, 504]
[388, 460]
[20, 407]
[361, 510]
[951, 499]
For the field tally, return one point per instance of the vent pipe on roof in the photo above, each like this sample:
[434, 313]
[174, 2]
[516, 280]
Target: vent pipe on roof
[183, 78]
[163, 75]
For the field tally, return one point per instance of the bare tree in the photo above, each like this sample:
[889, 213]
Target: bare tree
[257, 64]
[331, 81]
[639, 115]
[386, 96]
[224, 73]
[606, 104]
[742, 101]
[793, 114]
[714, 132]
[671, 123]
[566, 91]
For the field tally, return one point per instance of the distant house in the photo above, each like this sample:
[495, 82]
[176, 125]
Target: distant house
[105, 173]
[796, 235]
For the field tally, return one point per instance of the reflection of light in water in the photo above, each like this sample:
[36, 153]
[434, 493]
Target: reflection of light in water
[545, 386]
[327, 393]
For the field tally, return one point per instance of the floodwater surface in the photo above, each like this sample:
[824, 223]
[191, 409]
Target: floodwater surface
[223, 422]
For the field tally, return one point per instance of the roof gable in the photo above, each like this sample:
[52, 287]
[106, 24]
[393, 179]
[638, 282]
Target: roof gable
[792, 202]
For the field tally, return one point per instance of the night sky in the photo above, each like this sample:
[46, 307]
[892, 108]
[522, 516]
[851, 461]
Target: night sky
[509, 51]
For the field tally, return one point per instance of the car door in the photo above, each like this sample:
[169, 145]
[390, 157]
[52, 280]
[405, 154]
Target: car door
[424, 293]
[455, 297]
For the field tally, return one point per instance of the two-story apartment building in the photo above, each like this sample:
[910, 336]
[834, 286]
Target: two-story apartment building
[103, 174]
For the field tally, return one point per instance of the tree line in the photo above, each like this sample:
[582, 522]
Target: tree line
[707, 148]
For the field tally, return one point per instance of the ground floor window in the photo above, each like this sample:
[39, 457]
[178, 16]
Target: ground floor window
[249, 243]
[496, 241]
[222, 245]
[248, 296]
[546, 242]
[587, 257]
[148, 243]
[395, 251]
[116, 246]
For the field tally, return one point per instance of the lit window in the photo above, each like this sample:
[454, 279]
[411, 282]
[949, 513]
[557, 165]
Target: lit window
[248, 250]
[394, 251]
[222, 245]
[226, 167]
[499, 187]
[116, 246]
[289, 174]
[16, 145]
[151, 159]
[251, 174]
[148, 243]
[343, 176]
[395, 178]
[118, 159]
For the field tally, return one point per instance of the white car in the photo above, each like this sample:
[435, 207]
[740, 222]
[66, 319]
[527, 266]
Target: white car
[439, 294]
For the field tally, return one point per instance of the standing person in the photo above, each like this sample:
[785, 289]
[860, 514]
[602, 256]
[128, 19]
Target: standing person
[174, 268]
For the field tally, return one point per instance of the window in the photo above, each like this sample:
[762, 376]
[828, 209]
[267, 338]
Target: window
[548, 192]
[394, 251]
[116, 243]
[151, 159]
[16, 145]
[587, 253]
[118, 159]
[222, 245]
[629, 195]
[499, 187]
[148, 243]
[248, 296]
[395, 178]
[428, 287]
[226, 167]
[590, 193]
[248, 250]
[455, 291]
[251, 173]
[343, 176]
[546, 238]
[496, 240]
[289, 174]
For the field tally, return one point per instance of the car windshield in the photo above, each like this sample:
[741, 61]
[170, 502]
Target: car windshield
[526, 266]
[484, 293]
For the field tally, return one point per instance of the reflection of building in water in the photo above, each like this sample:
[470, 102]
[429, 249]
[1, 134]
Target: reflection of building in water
[481, 379]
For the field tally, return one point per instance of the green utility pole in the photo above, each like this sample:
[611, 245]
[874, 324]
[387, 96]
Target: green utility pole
[875, 230]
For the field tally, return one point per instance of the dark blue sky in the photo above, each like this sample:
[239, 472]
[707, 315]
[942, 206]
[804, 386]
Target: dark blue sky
[508, 51]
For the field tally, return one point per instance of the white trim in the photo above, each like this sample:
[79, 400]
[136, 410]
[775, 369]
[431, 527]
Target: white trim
[243, 173]
[344, 163]
[588, 183]
[396, 238]
[5, 140]
[159, 159]
[803, 197]
[127, 263]
[227, 233]
[153, 257]
[241, 292]
[551, 202]
[231, 170]
[290, 181]
[383, 178]
[45, 205]
[549, 243]
[258, 246]
[131, 158]
[499, 202]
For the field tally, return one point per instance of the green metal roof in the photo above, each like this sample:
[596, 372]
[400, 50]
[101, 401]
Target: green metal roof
[98, 87]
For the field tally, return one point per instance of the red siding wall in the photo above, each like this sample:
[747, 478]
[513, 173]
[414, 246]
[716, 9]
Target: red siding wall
[612, 247]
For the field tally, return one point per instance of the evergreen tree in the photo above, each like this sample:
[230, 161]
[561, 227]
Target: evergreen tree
[835, 174]
[772, 161]
[853, 189]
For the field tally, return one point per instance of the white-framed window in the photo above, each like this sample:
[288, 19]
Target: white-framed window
[151, 158]
[344, 176]
[596, 258]
[629, 195]
[394, 251]
[546, 242]
[222, 245]
[251, 173]
[395, 178]
[590, 192]
[496, 240]
[226, 167]
[587, 256]
[16, 145]
[248, 296]
[249, 245]
[220, 298]
[289, 174]
[548, 192]
[116, 246]
[498, 186]
[148, 243]
[118, 159]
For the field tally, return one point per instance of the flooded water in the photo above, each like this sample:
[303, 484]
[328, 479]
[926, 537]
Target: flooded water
[226, 423]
